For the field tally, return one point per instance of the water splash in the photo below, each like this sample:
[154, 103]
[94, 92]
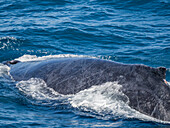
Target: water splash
[26, 58]
[4, 73]
[107, 102]
[37, 89]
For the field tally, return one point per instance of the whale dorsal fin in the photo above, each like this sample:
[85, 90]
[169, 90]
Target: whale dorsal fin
[162, 72]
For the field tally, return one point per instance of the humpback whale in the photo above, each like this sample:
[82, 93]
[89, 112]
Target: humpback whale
[145, 86]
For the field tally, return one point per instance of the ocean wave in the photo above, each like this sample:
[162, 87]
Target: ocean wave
[134, 2]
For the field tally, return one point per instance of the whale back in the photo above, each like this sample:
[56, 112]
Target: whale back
[145, 86]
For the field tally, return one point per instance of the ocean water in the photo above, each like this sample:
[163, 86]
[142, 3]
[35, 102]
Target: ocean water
[126, 31]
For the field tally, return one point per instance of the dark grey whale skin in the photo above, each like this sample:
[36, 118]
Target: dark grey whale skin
[144, 85]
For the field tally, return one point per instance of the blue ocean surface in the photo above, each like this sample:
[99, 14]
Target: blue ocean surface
[126, 31]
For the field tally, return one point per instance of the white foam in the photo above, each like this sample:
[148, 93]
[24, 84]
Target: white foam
[37, 88]
[4, 73]
[26, 58]
[107, 101]
[4, 70]
[9, 44]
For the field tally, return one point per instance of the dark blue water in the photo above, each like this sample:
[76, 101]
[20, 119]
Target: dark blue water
[128, 31]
